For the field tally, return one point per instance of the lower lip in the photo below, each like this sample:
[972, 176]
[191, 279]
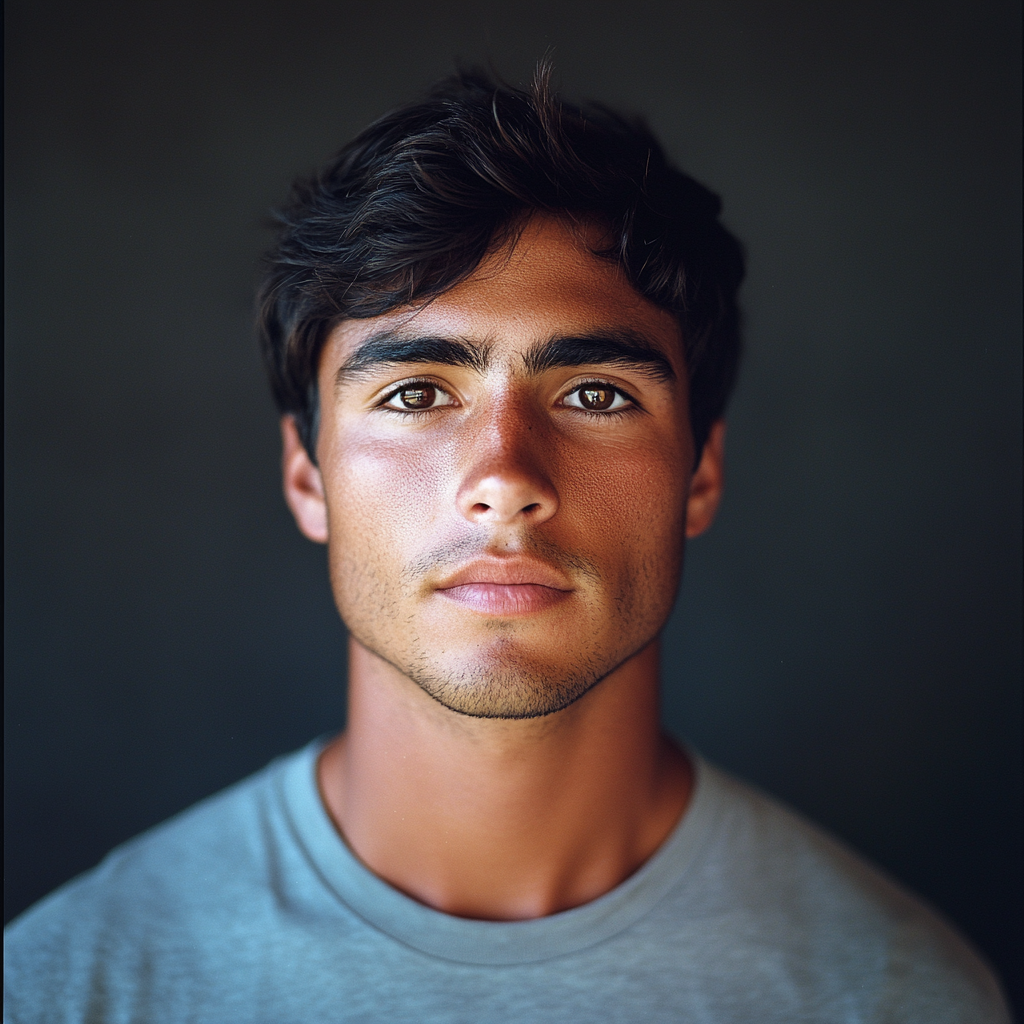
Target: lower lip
[505, 598]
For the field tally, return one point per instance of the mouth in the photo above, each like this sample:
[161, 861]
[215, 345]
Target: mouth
[506, 587]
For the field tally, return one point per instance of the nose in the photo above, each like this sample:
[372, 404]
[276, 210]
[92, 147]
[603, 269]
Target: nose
[506, 480]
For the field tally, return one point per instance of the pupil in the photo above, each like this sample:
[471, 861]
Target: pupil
[597, 398]
[421, 397]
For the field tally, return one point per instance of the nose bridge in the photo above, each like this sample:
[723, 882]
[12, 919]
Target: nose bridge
[509, 429]
[506, 474]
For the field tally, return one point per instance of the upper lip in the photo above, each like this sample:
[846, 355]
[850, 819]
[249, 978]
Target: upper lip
[509, 571]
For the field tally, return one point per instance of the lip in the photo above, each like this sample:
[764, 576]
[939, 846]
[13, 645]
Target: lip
[513, 586]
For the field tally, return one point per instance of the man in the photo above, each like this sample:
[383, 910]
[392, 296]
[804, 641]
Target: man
[501, 332]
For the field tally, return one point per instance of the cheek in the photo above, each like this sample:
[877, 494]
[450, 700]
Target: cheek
[635, 493]
[383, 495]
[382, 504]
[630, 508]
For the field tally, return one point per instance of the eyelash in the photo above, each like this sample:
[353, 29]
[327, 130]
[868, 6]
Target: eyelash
[407, 385]
[397, 389]
[634, 405]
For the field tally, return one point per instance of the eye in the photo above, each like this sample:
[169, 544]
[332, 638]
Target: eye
[595, 396]
[417, 397]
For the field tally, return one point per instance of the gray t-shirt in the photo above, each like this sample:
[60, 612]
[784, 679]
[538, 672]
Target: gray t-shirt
[249, 907]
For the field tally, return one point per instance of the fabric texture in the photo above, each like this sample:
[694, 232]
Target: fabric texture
[249, 907]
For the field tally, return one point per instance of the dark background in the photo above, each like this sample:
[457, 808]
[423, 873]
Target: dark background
[849, 633]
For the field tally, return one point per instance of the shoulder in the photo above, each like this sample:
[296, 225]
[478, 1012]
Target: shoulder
[168, 894]
[830, 916]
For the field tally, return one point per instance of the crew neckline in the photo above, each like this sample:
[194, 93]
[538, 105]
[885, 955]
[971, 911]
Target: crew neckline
[493, 943]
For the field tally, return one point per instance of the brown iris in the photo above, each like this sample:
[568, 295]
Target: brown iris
[420, 396]
[592, 397]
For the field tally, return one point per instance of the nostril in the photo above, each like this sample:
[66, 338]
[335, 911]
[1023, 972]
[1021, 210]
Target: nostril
[480, 507]
[532, 507]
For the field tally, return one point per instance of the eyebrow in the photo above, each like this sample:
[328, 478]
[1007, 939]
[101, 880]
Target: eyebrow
[613, 348]
[389, 349]
[607, 348]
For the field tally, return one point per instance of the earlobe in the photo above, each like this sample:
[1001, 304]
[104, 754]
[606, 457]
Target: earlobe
[303, 484]
[707, 483]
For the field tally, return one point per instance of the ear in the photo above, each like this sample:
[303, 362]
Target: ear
[303, 484]
[707, 483]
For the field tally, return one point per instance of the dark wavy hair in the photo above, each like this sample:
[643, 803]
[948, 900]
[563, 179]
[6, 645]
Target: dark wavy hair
[411, 206]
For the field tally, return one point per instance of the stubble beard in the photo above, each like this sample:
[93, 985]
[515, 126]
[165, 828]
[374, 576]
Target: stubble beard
[506, 683]
[510, 686]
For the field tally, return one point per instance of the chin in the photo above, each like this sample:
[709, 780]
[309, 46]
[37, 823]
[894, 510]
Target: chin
[510, 685]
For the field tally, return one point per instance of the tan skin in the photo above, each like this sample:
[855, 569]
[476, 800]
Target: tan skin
[505, 538]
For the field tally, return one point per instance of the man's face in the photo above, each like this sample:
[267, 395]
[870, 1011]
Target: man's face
[505, 472]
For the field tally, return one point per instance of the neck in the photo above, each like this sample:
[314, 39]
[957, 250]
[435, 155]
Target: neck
[496, 819]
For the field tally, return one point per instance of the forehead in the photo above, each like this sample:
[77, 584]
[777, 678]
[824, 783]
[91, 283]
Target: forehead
[548, 283]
